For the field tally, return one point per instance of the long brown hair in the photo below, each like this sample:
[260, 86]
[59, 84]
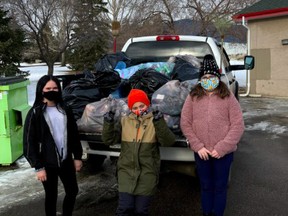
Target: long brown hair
[222, 91]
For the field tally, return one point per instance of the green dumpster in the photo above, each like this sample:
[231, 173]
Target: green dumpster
[13, 109]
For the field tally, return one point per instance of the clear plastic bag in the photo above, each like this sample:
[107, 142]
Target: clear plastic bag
[92, 118]
[169, 98]
[161, 67]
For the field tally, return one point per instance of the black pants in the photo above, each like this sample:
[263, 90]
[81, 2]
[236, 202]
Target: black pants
[67, 175]
[132, 205]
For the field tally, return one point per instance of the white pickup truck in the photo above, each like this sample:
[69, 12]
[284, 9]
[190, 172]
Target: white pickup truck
[160, 49]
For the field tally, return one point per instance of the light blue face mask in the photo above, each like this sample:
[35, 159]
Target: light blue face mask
[209, 84]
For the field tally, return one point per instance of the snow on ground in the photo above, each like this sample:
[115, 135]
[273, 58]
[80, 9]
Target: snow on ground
[20, 181]
[241, 74]
[235, 49]
[36, 72]
[273, 110]
[267, 126]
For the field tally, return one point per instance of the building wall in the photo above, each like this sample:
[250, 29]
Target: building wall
[270, 75]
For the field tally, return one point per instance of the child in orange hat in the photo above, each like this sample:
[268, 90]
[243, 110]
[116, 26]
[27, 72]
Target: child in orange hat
[139, 162]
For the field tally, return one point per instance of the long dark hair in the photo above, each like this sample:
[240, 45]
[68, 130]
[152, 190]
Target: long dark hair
[39, 89]
[222, 91]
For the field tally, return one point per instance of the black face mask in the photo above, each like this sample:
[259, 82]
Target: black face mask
[52, 95]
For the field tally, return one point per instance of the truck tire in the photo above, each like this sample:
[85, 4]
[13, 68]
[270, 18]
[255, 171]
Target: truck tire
[95, 162]
[236, 90]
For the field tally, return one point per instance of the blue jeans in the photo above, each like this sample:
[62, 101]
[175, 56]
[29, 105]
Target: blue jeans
[214, 175]
[131, 205]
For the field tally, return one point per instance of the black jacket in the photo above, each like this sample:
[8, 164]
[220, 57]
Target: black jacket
[39, 147]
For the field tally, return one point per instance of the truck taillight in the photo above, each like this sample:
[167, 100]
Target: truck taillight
[167, 38]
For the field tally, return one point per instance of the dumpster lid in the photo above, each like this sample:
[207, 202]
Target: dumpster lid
[11, 80]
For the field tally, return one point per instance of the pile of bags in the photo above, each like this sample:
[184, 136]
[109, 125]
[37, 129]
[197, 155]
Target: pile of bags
[167, 84]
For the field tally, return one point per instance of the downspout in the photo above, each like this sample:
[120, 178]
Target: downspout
[248, 82]
[248, 52]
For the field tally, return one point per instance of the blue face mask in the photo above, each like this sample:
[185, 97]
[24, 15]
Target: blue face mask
[209, 84]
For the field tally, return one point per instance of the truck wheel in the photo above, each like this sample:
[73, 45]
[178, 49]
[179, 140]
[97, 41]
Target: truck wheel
[187, 168]
[95, 162]
[236, 90]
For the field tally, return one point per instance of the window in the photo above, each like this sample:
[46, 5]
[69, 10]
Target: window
[162, 50]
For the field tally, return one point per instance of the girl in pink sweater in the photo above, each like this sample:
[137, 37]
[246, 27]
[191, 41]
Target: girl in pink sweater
[211, 120]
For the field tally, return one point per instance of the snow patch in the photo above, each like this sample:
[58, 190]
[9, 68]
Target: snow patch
[267, 126]
[236, 48]
[36, 71]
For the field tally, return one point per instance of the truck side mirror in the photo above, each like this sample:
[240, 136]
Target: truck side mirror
[249, 62]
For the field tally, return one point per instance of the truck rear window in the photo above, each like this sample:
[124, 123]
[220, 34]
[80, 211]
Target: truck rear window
[158, 51]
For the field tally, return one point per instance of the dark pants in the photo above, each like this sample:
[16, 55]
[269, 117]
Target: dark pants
[214, 175]
[130, 205]
[67, 175]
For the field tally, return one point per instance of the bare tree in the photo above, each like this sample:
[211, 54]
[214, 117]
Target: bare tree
[143, 17]
[168, 10]
[120, 10]
[48, 23]
[211, 11]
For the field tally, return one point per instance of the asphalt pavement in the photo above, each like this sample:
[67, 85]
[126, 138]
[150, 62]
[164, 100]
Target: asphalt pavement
[259, 180]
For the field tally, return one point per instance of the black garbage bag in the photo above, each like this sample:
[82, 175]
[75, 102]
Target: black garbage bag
[109, 61]
[186, 68]
[93, 87]
[148, 80]
[123, 90]
[107, 81]
[79, 93]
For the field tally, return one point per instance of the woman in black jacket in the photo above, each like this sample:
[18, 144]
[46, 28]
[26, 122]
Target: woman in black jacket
[52, 145]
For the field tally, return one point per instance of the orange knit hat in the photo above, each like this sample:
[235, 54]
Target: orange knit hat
[137, 95]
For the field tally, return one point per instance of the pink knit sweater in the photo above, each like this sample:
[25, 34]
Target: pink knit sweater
[213, 123]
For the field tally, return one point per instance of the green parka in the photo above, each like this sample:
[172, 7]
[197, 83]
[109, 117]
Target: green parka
[139, 161]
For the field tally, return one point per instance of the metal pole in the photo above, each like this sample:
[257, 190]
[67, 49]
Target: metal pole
[115, 33]
[248, 52]
[114, 44]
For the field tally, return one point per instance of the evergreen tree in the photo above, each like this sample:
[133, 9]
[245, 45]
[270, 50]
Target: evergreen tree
[11, 46]
[91, 33]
